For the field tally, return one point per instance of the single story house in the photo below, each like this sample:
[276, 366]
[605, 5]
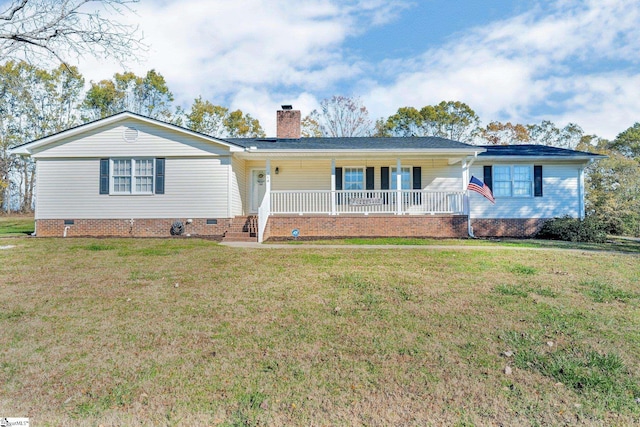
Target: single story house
[130, 175]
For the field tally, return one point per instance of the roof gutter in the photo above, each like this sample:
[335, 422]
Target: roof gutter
[543, 158]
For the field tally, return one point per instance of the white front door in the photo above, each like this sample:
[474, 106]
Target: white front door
[258, 188]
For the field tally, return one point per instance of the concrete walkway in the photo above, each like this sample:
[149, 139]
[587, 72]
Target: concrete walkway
[255, 245]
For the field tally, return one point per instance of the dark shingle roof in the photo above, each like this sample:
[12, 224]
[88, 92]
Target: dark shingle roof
[534, 151]
[350, 143]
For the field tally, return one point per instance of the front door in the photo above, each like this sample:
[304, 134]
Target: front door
[258, 188]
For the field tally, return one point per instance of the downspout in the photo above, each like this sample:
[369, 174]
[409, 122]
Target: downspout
[581, 208]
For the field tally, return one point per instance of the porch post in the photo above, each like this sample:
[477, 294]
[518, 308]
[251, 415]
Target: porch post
[333, 186]
[465, 181]
[264, 210]
[465, 174]
[399, 186]
[267, 182]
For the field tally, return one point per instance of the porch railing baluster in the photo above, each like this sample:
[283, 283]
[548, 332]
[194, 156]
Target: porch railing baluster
[367, 201]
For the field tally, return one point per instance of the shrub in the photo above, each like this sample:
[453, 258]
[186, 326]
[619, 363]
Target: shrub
[590, 229]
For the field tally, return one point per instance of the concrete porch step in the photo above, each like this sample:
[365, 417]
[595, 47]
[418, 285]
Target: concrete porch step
[239, 236]
[244, 224]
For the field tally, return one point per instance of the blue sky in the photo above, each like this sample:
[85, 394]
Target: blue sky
[520, 61]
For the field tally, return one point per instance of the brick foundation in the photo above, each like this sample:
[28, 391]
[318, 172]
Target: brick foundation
[367, 226]
[527, 227]
[124, 227]
[280, 227]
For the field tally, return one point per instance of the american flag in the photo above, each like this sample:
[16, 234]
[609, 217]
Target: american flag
[478, 186]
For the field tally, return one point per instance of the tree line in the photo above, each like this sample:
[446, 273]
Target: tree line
[36, 102]
[612, 184]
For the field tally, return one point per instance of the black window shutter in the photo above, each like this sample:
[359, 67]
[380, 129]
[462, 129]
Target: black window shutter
[417, 178]
[384, 178]
[488, 177]
[417, 184]
[537, 181]
[104, 176]
[159, 176]
[369, 178]
[384, 182]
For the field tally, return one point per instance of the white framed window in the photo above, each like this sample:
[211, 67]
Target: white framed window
[132, 176]
[405, 173]
[353, 178]
[512, 180]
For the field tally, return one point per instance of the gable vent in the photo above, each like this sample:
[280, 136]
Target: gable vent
[130, 134]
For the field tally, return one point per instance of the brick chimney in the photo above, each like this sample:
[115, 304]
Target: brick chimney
[288, 126]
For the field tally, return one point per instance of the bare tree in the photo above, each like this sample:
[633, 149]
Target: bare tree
[36, 30]
[340, 116]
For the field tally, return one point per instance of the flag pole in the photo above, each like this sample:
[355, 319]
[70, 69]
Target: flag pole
[468, 209]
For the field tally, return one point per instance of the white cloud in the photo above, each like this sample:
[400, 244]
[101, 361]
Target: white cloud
[601, 104]
[513, 69]
[263, 105]
[227, 49]
[555, 62]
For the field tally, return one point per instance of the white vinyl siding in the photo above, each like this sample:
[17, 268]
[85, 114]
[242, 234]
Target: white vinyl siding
[561, 197]
[194, 188]
[438, 175]
[152, 141]
[238, 186]
[309, 174]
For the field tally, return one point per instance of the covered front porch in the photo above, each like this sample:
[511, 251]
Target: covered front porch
[334, 187]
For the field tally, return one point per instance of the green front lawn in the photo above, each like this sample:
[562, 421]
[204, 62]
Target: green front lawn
[16, 225]
[189, 332]
[614, 243]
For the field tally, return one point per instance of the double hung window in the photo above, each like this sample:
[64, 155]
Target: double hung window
[353, 179]
[136, 176]
[405, 174]
[132, 176]
[512, 181]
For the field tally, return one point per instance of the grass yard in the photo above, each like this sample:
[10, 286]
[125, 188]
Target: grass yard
[16, 225]
[189, 332]
[614, 243]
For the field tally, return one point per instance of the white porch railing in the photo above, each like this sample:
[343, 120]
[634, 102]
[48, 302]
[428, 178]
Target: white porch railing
[303, 202]
[337, 202]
